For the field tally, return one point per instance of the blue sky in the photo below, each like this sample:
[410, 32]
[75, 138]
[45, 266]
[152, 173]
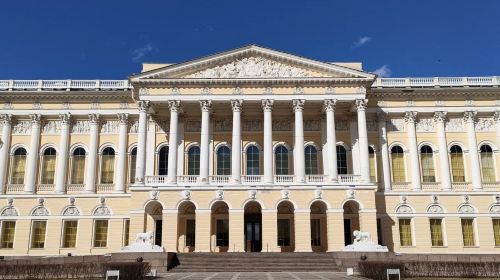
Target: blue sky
[56, 39]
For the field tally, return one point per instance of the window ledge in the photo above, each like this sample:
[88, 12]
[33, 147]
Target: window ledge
[475, 246]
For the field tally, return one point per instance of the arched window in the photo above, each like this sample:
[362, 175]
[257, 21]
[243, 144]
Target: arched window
[253, 158]
[398, 164]
[281, 160]
[194, 161]
[457, 164]
[487, 166]
[78, 166]
[428, 173]
[311, 154]
[48, 166]
[18, 166]
[133, 161]
[108, 166]
[163, 161]
[341, 160]
[372, 164]
[223, 161]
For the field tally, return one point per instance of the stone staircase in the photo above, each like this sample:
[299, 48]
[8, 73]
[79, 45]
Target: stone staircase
[253, 262]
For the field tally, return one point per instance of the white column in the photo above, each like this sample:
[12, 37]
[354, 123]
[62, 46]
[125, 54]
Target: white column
[6, 120]
[62, 156]
[300, 168]
[410, 118]
[149, 168]
[363, 140]
[267, 107]
[175, 108]
[206, 108]
[496, 118]
[90, 180]
[121, 166]
[236, 141]
[140, 167]
[439, 119]
[31, 170]
[384, 152]
[331, 139]
[470, 120]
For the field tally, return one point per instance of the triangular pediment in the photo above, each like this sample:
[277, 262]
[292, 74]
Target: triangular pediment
[252, 62]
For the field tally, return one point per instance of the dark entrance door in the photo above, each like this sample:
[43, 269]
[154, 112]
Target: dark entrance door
[158, 227]
[347, 232]
[253, 233]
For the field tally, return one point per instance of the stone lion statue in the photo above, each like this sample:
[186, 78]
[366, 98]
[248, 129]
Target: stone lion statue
[145, 237]
[361, 236]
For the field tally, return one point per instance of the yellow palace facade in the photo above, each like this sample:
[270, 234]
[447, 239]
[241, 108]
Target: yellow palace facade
[250, 150]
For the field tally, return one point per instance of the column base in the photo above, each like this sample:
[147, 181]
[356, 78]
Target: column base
[303, 251]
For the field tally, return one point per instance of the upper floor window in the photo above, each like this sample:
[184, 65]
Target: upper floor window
[487, 166]
[108, 166]
[163, 161]
[194, 161]
[223, 161]
[18, 166]
[311, 155]
[341, 160]
[133, 160]
[426, 159]
[457, 164]
[281, 160]
[48, 166]
[398, 164]
[78, 166]
[372, 164]
[253, 159]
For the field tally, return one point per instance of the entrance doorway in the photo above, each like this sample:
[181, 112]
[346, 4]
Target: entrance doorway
[253, 227]
[158, 229]
[351, 220]
[153, 220]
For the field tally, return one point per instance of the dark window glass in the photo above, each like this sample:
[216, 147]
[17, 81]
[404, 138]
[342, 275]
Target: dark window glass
[281, 160]
[194, 161]
[163, 161]
[311, 154]
[253, 160]
[223, 161]
[341, 160]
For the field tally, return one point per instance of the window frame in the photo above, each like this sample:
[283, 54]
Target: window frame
[94, 240]
[493, 164]
[2, 241]
[13, 164]
[196, 163]
[282, 156]
[72, 166]
[339, 160]
[32, 235]
[159, 161]
[309, 158]
[412, 236]
[443, 238]
[474, 232]
[101, 162]
[247, 160]
[63, 235]
[403, 162]
[432, 162]
[226, 157]
[462, 154]
[42, 158]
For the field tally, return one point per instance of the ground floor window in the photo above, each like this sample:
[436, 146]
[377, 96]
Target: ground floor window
[7, 239]
[436, 232]
[100, 233]
[190, 233]
[496, 231]
[38, 230]
[315, 232]
[283, 232]
[126, 232]
[380, 239]
[468, 232]
[69, 234]
[405, 232]
[222, 233]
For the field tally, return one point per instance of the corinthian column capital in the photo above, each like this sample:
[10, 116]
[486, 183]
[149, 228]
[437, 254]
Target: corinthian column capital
[122, 118]
[6, 119]
[35, 118]
[496, 116]
[298, 104]
[410, 116]
[94, 118]
[143, 105]
[360, 104]
[440, 116]
[267, 105]
[65, 118]
[206, 105]
[329, 105]
[174, 105]
[470, 116]
[236, 105]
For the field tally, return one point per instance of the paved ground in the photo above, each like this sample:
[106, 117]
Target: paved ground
[257, 276]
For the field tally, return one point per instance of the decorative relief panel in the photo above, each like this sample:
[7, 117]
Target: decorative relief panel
[80, 127]
[51, 127]
[163, 126]
[371, 125]
[404, 209]
[193, 126]
[312, 125]
[455, 125]
[425, 125]
[133, 126]
[251, 67]
[252, 126]
[282, 125]
[40, 211]
[341, 125]
[71, 211]
[466, 209]
[223, 125]
[22, 127]
[435, 209]
[396, 125]
[485, 125]
[109, 127]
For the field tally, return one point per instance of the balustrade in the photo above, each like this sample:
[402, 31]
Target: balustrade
[431, 186]
[315, 178]
[251, 178]
[348, 178]
[437, 81]
[284, 178]
[15, 188]
[63, 84]
[461, 186]
[105, 188]
[45, 188]
[401, 186]
[74, 188]
[187, 179]
[220, 179]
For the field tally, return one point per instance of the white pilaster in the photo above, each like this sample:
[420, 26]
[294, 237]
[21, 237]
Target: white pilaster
[31, 170]
[92, 154]
[300, 169]
[331, 139]
[363, 140]
[236, 141]
[121, 165]
[149, 169]
[496, 118]
[439, 119]
[175, 108]
[140, 167]
[410, 118]
[267, 107]
[62, 156]
[206, 108]
[470, 120]
[6, 120]
[384, 152]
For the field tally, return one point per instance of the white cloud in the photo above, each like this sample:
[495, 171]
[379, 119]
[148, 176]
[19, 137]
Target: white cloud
[383, 71]
[139, 53]
[361, 41]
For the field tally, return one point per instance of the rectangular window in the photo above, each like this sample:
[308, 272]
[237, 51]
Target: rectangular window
[38, 234]
[315, 232]
[496, 231]
[8, 229]
[100, 233]
[222, 233]
[457, 167]
[126, 232]
[427, 168]
[436, 232]
[133, 160]
[69, 234]
[405, 232]
[78, 169]
[283, 232]
[372, 163]
[48, 169]
[468, 232]
[190, 233]
[18, 167]
[107, 169]
[398, 168]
